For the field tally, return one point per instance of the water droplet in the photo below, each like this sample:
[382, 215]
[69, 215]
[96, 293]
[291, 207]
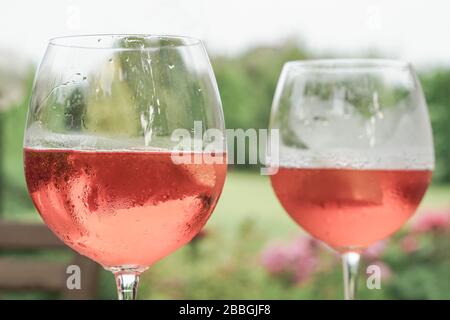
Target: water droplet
[171, 66]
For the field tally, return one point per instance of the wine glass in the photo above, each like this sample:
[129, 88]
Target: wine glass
[99, 147]
[355, 153]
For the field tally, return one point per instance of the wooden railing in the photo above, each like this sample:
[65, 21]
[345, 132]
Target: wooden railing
[28, 274]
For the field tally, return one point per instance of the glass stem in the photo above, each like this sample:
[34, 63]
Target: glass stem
[350, 262]
[127, 284]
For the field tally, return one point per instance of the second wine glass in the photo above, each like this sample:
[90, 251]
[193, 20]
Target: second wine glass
[356, 151]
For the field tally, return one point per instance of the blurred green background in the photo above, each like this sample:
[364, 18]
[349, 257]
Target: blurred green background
[250, 249]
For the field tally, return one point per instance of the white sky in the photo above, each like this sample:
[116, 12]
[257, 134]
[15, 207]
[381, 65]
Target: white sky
[414, 30]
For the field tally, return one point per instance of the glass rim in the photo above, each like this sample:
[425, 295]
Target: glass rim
[79, 41]
[348, 64]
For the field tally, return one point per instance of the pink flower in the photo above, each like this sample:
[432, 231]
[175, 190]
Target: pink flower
[305, 269]
[274, 259]
[431, 221]
[296, 259]
[375, 251]
[302, 256]
[409, 244]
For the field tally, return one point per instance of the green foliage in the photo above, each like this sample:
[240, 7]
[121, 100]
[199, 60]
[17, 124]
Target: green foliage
[247, 83]
[436, 85]
[13, 193]
[423, 273]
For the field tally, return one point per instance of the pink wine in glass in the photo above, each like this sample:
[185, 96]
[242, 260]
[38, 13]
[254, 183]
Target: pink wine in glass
[350, 208]
[123, 208]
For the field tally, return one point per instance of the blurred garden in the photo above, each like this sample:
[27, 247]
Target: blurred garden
[250, 248]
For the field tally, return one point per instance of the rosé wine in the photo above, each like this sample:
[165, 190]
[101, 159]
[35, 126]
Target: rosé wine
[348, 208]
[122, 208]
